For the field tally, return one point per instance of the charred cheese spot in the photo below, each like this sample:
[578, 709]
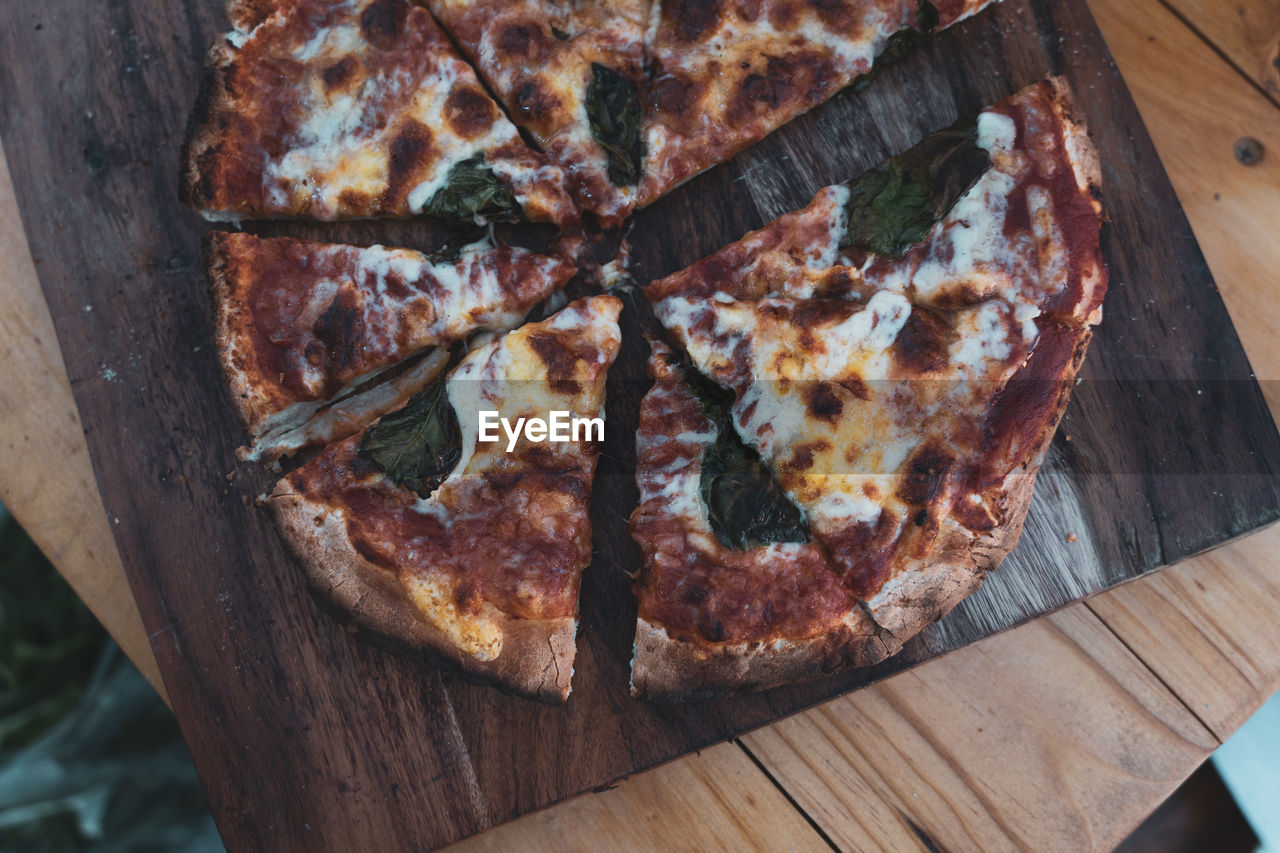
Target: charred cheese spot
[783, 16]
[922, 345]
[837, 282]
[558, 359]
[339, 74]
[469, 112]
[353, 199]
[748, 10]
[536, 99]
[810, 316]
[925, 474]
[856, 387]
[695, 19]
[412, 148]
[822, 403]
[676, 97]
[835, 14]
[383, 22]
[527, 42]
[973, 514]
[803, 455]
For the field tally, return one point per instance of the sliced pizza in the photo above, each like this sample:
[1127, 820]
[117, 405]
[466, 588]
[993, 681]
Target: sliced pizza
[725, 75]
[735, 593]
[302, 326]
[899, 354]
[336, 109]
[431, 537]
[571, 74]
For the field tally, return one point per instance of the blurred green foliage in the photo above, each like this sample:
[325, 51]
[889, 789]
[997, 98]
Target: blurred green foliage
[90, 758]
[49, 640]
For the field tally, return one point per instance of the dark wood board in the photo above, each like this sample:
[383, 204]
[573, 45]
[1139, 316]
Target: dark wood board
[305, 736]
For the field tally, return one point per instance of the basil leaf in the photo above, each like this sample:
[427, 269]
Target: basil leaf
[746, 506]
[419, 445]
[613, 112]
[472, 191]
[901, 43]
[896, 204]
[560, 34]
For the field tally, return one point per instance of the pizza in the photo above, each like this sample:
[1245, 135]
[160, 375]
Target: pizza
[849, 406]
[337, 109]
[725, 75]
[302, 328]
[868, 387]
[571, 74]
[465, 550]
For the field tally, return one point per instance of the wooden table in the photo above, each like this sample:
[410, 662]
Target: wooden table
[1063, 733]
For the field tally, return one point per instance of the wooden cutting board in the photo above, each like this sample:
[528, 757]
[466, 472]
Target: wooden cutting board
[305, 736]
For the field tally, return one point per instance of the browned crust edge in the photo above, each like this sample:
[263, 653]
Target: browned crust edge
[667, 669]
[1080, 150]
[537, 655]
[219, 259]
[201, 133]
[924, 590]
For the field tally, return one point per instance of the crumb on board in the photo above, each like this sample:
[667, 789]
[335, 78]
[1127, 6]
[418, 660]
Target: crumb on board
[1071, 537]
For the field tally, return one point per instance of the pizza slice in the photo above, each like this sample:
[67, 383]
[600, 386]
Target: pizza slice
[571, 74]
[441, 542]
[899, 354]
[338, 109]
[735, 593]
[304, 328]
[725, 75]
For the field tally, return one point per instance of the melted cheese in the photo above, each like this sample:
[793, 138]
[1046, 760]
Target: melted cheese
[475, 635]
[343, 142]
[508, 376]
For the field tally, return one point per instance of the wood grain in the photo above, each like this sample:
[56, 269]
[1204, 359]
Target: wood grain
[1232, 207]
[935, 759]
[46, 479]
[1247, 32]
[259, 675]
[1207, 627]
[716, 799]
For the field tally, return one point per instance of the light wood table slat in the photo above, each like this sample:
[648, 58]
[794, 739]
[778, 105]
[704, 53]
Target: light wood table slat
[1207, 627]
[1053, 734]
[713, 800]
[1196, 107]
[1049, 736]
[1247, 33]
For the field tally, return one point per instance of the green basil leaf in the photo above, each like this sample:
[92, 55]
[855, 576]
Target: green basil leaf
[901, 43]
[419, 445]
[613, 112]
[472, 191]
[746, 506]
[895, 205]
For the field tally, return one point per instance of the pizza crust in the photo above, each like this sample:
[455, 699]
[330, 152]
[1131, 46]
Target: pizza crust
[195, 187]
[923, 590]
[536, 660]
[668, 669]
